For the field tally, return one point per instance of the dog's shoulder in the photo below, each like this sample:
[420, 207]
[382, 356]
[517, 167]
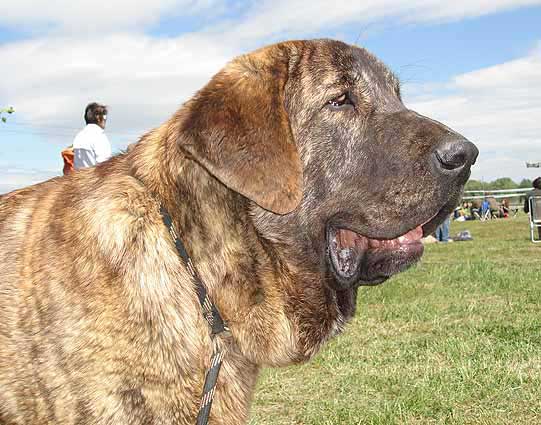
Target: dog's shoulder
[122, 217]
[111, 211]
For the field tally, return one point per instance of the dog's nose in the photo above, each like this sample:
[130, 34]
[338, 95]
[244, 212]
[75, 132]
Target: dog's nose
[453, 153]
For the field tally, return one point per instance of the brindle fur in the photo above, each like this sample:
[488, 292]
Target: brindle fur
[100, 323]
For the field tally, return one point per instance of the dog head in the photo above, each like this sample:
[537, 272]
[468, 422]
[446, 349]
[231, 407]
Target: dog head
[316, 135]
[340, 175]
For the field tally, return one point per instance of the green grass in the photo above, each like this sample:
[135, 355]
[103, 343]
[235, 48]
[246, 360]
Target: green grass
[454, 340]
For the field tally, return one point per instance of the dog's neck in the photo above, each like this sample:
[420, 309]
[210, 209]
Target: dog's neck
[212, 220]
[243, 272]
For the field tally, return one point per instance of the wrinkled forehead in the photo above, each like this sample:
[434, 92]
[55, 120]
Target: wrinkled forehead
[369, 68]
[328, 66]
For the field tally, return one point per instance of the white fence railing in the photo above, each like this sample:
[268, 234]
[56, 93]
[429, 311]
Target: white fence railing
[496, 193]
[498, 190]
[511, 195]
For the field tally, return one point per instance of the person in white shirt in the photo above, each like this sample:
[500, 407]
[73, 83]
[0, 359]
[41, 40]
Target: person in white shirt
[91, 146]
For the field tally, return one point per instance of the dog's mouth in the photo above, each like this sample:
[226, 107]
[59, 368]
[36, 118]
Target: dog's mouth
[358, 260]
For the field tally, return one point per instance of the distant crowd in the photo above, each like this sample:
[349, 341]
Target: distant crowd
[486, 209]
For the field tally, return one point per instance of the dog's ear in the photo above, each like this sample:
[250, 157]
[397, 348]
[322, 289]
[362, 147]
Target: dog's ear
[237, 127]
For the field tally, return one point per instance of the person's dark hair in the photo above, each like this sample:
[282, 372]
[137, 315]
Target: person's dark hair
[537, 183]
[94, 113]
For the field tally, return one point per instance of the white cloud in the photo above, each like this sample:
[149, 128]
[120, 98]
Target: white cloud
[260, 18]
[92, 17]
[498, 108]
[292, 18]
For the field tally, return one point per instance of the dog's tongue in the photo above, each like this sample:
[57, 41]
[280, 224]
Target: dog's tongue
[349, 239]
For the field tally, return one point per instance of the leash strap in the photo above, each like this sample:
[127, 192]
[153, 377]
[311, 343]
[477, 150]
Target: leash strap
[211, 315]
[210, 387]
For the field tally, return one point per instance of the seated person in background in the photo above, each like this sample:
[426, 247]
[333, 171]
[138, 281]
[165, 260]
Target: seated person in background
[468, 207]
[494, 207]
[504, 208]
[476, 209]
[485, 209]
[463, 213]
[536, 202]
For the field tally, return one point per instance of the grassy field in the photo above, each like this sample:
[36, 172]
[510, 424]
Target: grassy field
[455, 340]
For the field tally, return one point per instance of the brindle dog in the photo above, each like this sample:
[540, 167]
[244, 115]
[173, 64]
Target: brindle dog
[294, 176]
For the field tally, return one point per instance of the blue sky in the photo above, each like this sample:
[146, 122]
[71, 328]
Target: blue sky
[476, 66]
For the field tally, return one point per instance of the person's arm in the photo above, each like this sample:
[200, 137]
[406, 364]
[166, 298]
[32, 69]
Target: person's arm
[102, 149]
[527, 204]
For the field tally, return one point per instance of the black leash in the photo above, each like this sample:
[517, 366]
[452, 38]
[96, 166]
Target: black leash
[211, 315]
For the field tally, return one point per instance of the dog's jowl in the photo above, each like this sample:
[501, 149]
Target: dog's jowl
[294, 176]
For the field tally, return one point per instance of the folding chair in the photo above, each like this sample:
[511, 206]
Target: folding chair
[487, 211]
[535, 218]
[486, 215]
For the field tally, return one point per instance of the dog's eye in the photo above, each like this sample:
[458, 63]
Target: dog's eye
[340, 101]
